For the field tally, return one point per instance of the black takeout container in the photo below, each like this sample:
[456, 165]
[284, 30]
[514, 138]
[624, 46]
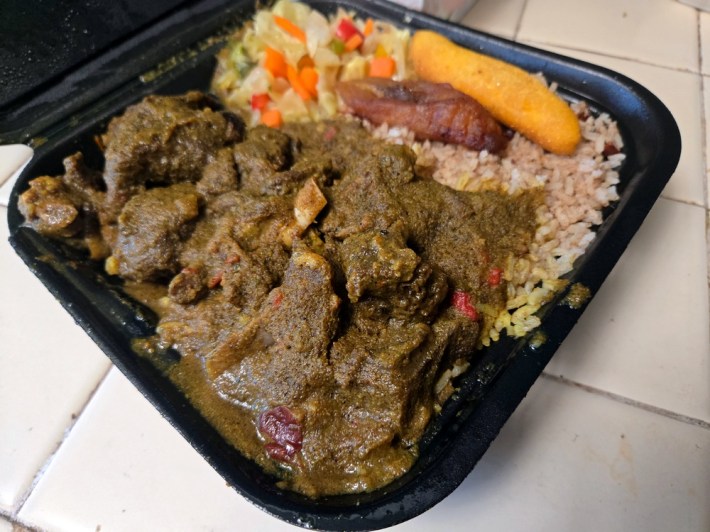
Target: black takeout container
[176, 54]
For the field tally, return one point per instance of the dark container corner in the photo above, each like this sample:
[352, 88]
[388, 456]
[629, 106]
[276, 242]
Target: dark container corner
[168, 47]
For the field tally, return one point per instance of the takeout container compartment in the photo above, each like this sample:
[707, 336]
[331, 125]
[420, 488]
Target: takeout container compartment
[500, 376]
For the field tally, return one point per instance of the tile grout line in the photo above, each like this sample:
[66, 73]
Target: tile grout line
[48, 461]
[700, 51]
[689, 203]
[704, 134]
[703, 113]
[536, 42]
[519, 22]
[15, 521]
[629, 402]
[704, 204]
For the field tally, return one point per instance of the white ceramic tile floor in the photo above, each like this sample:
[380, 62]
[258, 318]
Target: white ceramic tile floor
[561, 462]
[626, 359]
[495, 16]
[660, 32]
[706, 106]
[47, 373]
[705, 42]
[129, 470]
[12, 157]
[612, 347]
[623, 470]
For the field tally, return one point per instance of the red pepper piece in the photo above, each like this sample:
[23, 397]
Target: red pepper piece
[494, 276]
[215, 281]
[281, 425]
[259, 101]
[462, 302]
[346, 29]
[278, 298]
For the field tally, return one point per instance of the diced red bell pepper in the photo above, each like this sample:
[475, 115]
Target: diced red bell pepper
[259, 101]
[346, 29]
[215, 280]
[461, 301]
[494, 276]
[278, 298]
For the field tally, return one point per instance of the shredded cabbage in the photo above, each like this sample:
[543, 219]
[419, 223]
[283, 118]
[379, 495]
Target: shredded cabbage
[242, 73]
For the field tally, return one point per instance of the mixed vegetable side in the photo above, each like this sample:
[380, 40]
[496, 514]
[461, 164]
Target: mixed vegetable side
[292, 63]
[284, 66]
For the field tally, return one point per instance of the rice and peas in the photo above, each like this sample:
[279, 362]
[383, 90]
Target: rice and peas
[576, 187]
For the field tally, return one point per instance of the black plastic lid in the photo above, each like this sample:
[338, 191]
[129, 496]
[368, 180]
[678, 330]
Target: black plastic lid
[43, 40]
[57, 56]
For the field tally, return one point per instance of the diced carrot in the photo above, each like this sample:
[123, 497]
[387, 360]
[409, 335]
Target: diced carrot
[271, 118]
[305, 61]
[275, 62]
[296, 83]
[353, 43]
[369, 26]
[290, 28]
[382, 67]
[309, 79]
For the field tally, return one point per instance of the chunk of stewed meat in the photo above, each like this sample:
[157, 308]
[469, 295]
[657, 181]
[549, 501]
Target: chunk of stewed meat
[152, 228]
[49, 207]
[282, 358]
[160, 141]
